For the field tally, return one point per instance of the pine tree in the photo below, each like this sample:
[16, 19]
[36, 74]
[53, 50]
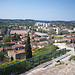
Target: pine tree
[28, 51]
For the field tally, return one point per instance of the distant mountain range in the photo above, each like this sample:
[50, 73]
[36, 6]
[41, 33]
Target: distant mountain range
[30, 20]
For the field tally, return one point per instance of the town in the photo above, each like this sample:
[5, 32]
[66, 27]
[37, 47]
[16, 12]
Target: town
[13, 38]
[37, 37]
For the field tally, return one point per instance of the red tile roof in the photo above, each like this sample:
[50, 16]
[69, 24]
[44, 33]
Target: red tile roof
[69, 38]
[8, 48]
[12, 42]
[1, 48]
[11, 50]
[53, 39]
[19, 51]
[33, 48]
[25, 39]
[18, 45]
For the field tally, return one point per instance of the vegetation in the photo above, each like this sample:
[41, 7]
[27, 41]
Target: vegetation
[16, 37]
[72, 58]
[42, 31]
[45, 49]
[17, 66]
[29, 22]
[6, 38]
[37, 41]
[51, 32]
[2, 55]
[8, 63]
[28, 51]
[32, 32]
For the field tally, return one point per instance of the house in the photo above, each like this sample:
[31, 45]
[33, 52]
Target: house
[60, 40]
[74, 29]
[40, 38]
[52, 40]
[8, 48]
[33, 49]
[43, 43]
[44, 36]
[22, 42]
[18, 47]
[22, 32]
[65, 31]
[32, 36]
[40, 46]
[17, 54]
[70, 39]
[34, 43]
[10, 43]
[37, 38]
[1, 37]
[1, 49]
[1, 44]
[24, 39]
[23, 36]
[58, 30]
[32, 40]
[43, 39]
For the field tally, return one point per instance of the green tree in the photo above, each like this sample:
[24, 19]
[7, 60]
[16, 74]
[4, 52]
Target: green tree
[32, 32]
[6, 38]
[16, 37]
[28, 51]
[1, 57]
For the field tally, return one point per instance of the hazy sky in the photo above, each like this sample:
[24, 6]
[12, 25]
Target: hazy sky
[37, 9]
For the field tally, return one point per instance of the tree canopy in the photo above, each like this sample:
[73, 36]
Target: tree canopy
[28, 51]
[6, 38]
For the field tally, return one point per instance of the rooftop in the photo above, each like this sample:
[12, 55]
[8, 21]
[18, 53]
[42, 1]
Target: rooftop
[18, 45]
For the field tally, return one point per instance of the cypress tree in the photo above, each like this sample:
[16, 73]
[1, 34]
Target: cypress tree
[28, 51]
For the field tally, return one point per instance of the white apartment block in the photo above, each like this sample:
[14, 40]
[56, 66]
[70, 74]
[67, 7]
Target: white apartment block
[58, 30]
[42, 24]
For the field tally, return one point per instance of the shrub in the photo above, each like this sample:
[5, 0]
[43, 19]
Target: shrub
[8, 63]
[72, 58]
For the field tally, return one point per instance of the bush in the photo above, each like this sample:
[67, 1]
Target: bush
[45, 49]
[8, 63]
[72, 58]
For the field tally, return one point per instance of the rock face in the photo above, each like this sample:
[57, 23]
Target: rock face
[63, 69]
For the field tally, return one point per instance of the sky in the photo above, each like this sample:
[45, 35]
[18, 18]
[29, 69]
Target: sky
[38, 9]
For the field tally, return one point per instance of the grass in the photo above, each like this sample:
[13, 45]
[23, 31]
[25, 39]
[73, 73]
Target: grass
[45, 49]
[72, 58]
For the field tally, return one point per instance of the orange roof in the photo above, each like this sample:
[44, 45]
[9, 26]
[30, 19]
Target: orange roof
[32, 40]
[37, 37]
[33, 48]
[44, 35]
[1, 43]
[18, 45]
[12, 42]
[11, 50]
[25, 39]
[23, 36]
[8, 48]
[18, 32]
[19, 51]
[53, 39]
[1, 48]
[69, 38]
[34, 43]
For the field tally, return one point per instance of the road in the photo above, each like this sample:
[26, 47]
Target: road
[39, 70]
